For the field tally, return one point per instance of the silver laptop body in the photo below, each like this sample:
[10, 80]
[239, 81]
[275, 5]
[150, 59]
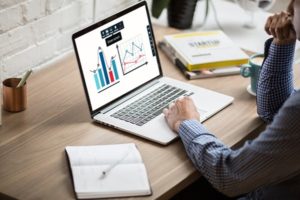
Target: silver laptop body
[123, 82]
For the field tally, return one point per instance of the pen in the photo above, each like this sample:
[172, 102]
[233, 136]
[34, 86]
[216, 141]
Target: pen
[109, 168]
[24, 78]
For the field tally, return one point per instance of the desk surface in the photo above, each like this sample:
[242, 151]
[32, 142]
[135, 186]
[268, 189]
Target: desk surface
[33, 163]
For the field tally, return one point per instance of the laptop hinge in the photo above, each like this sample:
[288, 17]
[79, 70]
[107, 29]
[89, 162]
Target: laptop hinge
[129, 96]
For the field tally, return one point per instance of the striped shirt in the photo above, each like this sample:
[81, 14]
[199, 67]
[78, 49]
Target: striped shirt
[267, 167]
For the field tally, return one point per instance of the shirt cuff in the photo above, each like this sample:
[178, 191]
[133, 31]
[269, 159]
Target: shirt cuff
[191, 129]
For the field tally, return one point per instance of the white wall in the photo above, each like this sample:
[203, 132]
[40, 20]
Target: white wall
[34, 33]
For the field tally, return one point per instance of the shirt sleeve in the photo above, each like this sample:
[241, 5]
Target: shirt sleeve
[275, 83]
[271, 157]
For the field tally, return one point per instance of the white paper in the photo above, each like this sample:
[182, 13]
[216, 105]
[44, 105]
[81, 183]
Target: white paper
[126, 173]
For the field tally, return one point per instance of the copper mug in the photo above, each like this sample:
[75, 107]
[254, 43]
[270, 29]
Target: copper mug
[14, 98]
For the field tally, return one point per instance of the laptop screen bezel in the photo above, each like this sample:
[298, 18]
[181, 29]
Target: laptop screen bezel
[97, 25]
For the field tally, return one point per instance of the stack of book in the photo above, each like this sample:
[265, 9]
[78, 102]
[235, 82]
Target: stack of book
[204, 54]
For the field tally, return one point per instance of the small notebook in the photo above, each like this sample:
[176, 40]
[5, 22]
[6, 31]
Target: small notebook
[108, 171]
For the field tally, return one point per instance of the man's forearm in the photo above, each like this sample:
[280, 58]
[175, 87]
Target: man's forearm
[275, 84]
[257, 163]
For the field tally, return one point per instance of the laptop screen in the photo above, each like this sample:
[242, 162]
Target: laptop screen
[116, 55]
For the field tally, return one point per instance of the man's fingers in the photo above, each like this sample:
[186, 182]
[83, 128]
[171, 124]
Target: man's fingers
[280, 25]
[166, 112]
[188, 98]
[267, 26]
[180, 98]
[285, 28]
[273, 25]
[280, 33]
[171, 105]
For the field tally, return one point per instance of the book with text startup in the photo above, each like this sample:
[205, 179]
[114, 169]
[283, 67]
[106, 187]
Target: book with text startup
[105, 171]
[197, 74]
[205, 50]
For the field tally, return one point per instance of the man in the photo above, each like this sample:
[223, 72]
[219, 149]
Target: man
[269, 166]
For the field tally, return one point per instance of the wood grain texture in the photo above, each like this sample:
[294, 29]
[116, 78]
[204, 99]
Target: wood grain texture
[33, 163]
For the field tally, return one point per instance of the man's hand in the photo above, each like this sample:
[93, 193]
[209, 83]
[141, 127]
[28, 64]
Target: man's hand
[281, 27]
[183, 109]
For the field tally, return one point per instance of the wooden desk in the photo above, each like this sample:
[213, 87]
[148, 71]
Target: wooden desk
[32, 159]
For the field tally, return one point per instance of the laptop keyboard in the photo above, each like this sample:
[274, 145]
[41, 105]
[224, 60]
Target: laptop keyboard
[149, 106]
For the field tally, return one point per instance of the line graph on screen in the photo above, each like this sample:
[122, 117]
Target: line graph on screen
[132, 54]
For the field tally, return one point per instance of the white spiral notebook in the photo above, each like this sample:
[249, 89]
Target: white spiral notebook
[104, 171]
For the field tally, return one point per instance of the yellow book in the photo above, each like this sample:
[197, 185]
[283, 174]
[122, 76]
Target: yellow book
[205, 50]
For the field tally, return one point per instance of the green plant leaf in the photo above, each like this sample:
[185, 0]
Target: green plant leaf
[158, 6]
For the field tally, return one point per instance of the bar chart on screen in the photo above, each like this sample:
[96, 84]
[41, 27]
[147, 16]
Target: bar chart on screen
[105, 75]
[132, 54]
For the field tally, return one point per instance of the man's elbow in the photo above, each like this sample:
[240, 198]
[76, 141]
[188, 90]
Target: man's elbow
[265, 116]
[232, 191]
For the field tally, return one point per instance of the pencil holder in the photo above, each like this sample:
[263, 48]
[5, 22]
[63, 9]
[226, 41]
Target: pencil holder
[14, 98]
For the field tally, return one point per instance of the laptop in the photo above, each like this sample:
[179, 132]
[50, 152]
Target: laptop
[123, 80]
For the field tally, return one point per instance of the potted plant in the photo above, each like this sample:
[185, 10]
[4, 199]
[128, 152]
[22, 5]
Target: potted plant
[180, 12]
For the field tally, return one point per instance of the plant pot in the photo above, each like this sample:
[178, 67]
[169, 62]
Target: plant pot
[181, 13]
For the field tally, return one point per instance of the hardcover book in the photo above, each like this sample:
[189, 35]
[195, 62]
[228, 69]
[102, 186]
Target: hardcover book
[197, 74]
[205, 50]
